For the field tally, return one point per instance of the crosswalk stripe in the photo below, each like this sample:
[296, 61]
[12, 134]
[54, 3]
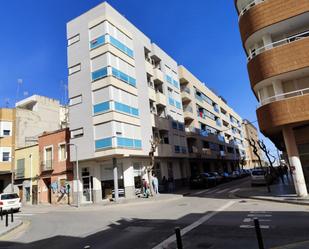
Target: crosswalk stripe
[249, 226]
[234, 190]
[222, 191]
[259, 215]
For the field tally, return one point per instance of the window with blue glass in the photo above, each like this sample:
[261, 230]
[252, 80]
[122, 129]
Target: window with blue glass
[101, 107]
[174, 125]
[127, 109]
[129, 143]
[181, 127]
[124, 77]
[97, 42]
[183, 149]
[171, 101]
[103, 143]
[177, 104]
[177, 149]
[99, 74]
[121, 46]
[176, 83]
[169, 79]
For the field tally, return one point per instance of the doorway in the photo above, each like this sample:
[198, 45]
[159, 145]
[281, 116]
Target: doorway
[87, 185]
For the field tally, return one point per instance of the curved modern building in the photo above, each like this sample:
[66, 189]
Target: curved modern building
[275, 36]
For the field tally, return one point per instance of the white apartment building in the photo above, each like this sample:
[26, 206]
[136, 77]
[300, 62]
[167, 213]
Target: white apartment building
[124, 91]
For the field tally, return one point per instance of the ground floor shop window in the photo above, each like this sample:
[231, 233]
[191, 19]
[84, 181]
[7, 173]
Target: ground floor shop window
[108, 189]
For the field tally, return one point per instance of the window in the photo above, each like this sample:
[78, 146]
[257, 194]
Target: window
[6, 157]
[74, 69]
[76, 100]
[6, 132]
[48, 157]
[62, 154]
[174, 125]
[73, 39]
[77, 133]
[20, 171]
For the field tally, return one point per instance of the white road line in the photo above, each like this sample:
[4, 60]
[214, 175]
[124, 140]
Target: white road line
[260, 212]
[201, 192]
[249, 226]
[250, 219]
[234, 190]
[259, 215]
[222, 191]
[195, 224]
[247, 220]
[23, 214]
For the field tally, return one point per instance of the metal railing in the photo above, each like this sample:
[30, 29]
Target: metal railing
[249, 6]
[284, 96]
[47, 165]
[185, 89]
[188, 109]
[278, 43]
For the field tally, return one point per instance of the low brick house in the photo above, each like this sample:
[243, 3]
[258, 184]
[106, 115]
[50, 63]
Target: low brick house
[56, 170]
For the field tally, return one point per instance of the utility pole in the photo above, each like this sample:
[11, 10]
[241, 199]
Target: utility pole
[115, 173]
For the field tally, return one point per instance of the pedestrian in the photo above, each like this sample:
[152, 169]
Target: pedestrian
[170, 181]
[155, 184]
[164, 183]
[285, 170]
[281, 173]
[145, 188]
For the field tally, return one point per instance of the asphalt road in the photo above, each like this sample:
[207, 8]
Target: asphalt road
[209, 218]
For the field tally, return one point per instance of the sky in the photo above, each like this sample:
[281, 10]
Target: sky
[202, 35]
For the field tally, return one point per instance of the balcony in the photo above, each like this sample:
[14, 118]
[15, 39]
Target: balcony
[158, 76]
[287, 111]
[188, 113]
[165, 150]
[149, 67]
[269, 12]
[185, 96]
[152, 94]
[279, 60]
[159, 122]
[160, 99]
[47, 165]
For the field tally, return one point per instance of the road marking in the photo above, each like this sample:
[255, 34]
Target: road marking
[260, 212]
[195, 224]
[201, 192]
[250, 219]
[247, 220]
[259, 215]
[234, 190]
[249, 226]
[23, 214]
[222, 191]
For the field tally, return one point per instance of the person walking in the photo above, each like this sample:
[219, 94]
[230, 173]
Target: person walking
[145, 188]
[155, 184]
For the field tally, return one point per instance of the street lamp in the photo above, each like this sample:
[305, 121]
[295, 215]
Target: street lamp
[77, 172]
[12, 174]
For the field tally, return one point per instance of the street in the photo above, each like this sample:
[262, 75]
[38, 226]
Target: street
[210, 218]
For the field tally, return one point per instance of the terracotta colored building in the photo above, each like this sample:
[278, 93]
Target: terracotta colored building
[275, 36]
[56, 170]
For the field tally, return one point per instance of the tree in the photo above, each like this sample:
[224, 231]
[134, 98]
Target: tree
[267, 153]
[252, 143]
[154, 142]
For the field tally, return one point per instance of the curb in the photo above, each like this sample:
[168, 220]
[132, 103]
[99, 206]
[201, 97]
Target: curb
[12, 228]
[272, 200]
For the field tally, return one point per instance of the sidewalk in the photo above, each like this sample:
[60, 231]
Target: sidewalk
[45, 208]
[11, 226]
[280, 192]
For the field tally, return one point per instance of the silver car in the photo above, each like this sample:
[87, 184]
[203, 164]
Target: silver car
[258, 177]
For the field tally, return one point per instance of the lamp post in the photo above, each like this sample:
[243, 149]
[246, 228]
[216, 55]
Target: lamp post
[77, 172]
[12, 174]
[30, 156]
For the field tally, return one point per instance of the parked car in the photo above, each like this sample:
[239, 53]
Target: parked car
[10, 201]
[226, 176]
[203, 180]
[219, 178]
[258, 176]
[235, 174]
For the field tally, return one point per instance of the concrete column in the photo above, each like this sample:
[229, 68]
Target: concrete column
[96, 188]
[278, 89]
[298, 174]
[128, 179]
[115, 173]
[74, 189]
[267, 41]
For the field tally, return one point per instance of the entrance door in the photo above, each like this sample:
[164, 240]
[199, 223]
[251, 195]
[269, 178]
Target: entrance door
[34, 194]
[20, 192]
[87, 189]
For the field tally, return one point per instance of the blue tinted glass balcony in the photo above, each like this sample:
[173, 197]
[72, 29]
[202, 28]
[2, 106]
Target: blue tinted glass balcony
[134, 111]
[125, 142]
[176, 83]
[101, 73]
[127, 109]
[218, 122]
[137, 144]
[204, 133]
[122, 76]
[102, 107]
[103, 143]
[216, 108]
[177, 149]
[174, 124]
[178, 105]
[97, 42]
[169, 79]
[121, 46]
[171, 101]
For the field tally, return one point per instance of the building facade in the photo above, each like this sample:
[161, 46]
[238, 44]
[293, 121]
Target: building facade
[124, 92]
[7, 147]
[55, 169]
[275, 38]
[213, 130]
[251, 132]
[26, 173]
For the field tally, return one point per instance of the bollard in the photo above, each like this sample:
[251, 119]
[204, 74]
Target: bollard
[178, 238]
[1, 213]
[6, 219]
[258, 233]
[12, 217]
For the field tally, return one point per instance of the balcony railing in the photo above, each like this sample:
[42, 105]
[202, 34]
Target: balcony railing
[47, 165]
[278, 43]
[284, 96]
[185, 89]
[249, 6]
[188, 109]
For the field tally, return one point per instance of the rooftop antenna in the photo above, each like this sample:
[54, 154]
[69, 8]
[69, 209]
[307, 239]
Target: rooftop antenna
[19, 83]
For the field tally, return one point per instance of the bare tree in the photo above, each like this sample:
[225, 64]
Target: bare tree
[252, 143]
[267, 153]
[154, 142]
